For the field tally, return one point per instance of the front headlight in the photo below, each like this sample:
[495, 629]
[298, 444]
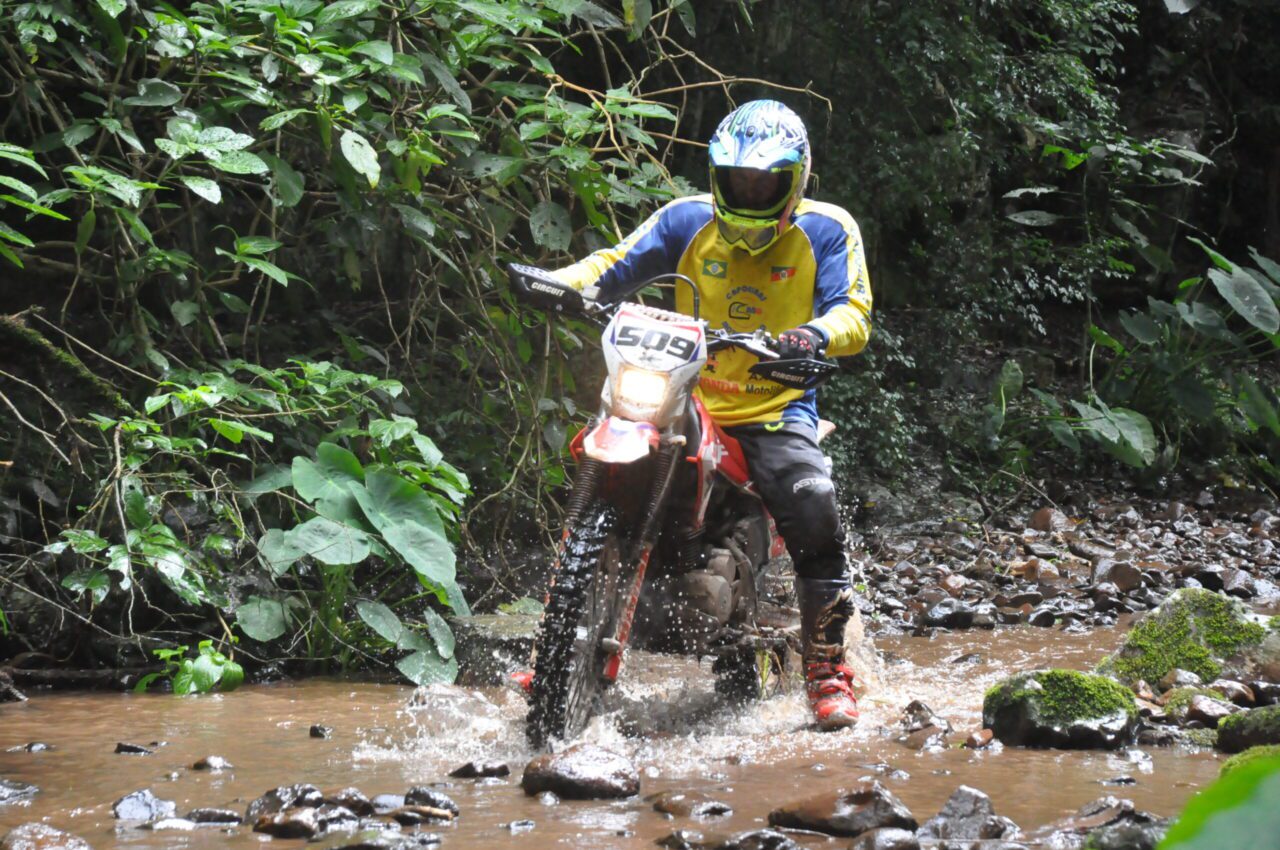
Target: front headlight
[641, 388]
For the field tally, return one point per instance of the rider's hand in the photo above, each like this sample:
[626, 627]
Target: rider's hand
[800, 342]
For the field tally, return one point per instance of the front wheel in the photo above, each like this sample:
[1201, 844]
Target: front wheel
[585, 600]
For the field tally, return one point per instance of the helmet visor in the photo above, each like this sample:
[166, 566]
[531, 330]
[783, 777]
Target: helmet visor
[751, 238]
[752, 192]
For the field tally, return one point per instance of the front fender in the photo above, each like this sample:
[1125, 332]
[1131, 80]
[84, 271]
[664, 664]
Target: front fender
[618, 440]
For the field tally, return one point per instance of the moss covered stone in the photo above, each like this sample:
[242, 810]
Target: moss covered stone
[1177, 700]
[1193, 629]
[1250, 729]
[1060, 708]
[1269, 751]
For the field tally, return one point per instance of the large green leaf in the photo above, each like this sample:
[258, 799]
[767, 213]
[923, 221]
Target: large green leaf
[381, 619]
[326, 481]
[276, 552]
[440, 632]
[1258, 405]
[330, 542]
[262, 619]
[429, 553]
[1141, 327]
[1248, 298]
[389, 501]
[362, 156]
[1239, 810]
[205, 673]
[426, 667]
[550, 226]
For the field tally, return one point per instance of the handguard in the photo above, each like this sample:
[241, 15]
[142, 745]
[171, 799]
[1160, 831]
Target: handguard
[541, 288]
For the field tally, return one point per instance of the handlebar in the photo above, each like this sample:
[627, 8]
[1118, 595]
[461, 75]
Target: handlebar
[543, 289]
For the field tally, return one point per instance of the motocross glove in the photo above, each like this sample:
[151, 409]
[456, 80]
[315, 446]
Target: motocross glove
[800, 342]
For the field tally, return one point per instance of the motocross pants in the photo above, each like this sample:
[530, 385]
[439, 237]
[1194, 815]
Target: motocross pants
[791, 476]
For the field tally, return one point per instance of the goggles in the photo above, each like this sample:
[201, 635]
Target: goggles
[754, 238]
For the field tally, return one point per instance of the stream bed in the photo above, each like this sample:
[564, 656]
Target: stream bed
[386, 738]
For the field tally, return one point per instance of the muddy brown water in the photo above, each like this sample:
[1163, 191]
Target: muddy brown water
[754, 758]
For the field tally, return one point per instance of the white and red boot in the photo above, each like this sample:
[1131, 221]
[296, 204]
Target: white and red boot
[825, 608]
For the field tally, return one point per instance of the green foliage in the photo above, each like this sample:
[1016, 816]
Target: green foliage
[207, 671]
[1063, 696]
[1270, 751]
[1237, 810]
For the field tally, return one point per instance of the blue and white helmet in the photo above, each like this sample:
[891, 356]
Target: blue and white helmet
[759, 170]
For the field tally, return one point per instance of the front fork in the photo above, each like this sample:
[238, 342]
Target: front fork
[670, 450]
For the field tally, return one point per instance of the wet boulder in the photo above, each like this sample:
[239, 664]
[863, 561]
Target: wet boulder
[290, 823]
[1107, 824]
[757, 839]
[689, 804]
[887, 838]
[968, 814]
[848, 811]
[355, 800]
[319, 730]
[212, 763]
[1061, 708]
[1250, 729]
[41, 836]
[11, 789]
[582, 772]
[481, 769]
[301, 795]
[1194, 630]
[421, 795]
[126, 749]
[489, 646]
[412, 815]
[215, 817]
[1268, 751]
[142, 806]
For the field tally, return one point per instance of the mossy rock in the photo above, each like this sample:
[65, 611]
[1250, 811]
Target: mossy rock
[1193, 629]
[1268, 751]
[1178, 700]
[1065, 709]
[1250, 729]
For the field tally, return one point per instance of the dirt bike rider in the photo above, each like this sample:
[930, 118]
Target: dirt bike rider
[763, 255]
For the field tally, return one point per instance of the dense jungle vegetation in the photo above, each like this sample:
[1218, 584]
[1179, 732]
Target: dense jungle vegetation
[264, 387]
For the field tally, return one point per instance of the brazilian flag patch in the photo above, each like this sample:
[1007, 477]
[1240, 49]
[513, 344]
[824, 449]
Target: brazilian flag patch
[715, 268]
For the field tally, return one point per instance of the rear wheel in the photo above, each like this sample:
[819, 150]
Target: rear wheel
[582, 611]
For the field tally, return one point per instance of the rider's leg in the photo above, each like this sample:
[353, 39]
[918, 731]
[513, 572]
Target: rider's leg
[791, 475]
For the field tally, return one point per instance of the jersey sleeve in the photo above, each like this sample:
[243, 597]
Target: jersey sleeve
[842, 290]
[652, 249]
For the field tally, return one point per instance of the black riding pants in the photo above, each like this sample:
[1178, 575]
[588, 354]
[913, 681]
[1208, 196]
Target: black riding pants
[791, 476]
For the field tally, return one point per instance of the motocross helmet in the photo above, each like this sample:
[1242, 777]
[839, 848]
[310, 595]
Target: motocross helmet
[759, 169]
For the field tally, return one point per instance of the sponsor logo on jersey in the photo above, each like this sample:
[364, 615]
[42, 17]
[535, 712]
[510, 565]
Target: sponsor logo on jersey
[781, 273]
[715, 268]
[811, 484]
[743, 312]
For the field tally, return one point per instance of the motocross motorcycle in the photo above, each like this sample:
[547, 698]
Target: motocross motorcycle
[665, 541]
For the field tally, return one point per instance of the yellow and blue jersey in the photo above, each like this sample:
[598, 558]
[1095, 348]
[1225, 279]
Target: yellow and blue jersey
[814, 275]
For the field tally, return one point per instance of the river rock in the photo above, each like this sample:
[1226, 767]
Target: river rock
[918, 716]
[887, 838]
[298, 822]
[848, 811]
[408, 815]
[1250, 729]
[384, 803]
[1179, 678]
[320, 731]
[582, 772]
[1237, 693]
[1195, 630]
[1106, 822]
[355, 800]
[215, 816]
[968, 814]
[1209, 711]
[757, 839]
[172, 825]
[489, 646]
[143, 805]
[421, 795]
[213, 763]
[301, 795]
[1049, 519]
[479, 769]
[689, 804]
[1061, 708]
[11, 789]
[127, 749]
[41, 836]
[949, 613]
[1122, 574]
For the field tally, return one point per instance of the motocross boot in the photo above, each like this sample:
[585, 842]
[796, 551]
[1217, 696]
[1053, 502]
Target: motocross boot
[825, 608]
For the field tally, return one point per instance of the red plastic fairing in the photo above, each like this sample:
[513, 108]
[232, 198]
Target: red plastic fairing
[575, 445]
[728, 458]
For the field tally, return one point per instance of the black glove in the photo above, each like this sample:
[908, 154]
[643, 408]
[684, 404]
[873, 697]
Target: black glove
[800, 342]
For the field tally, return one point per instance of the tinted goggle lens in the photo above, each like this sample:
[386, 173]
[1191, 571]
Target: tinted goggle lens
[753, 238]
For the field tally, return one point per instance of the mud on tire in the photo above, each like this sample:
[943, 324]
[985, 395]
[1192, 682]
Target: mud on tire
[567, 679]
